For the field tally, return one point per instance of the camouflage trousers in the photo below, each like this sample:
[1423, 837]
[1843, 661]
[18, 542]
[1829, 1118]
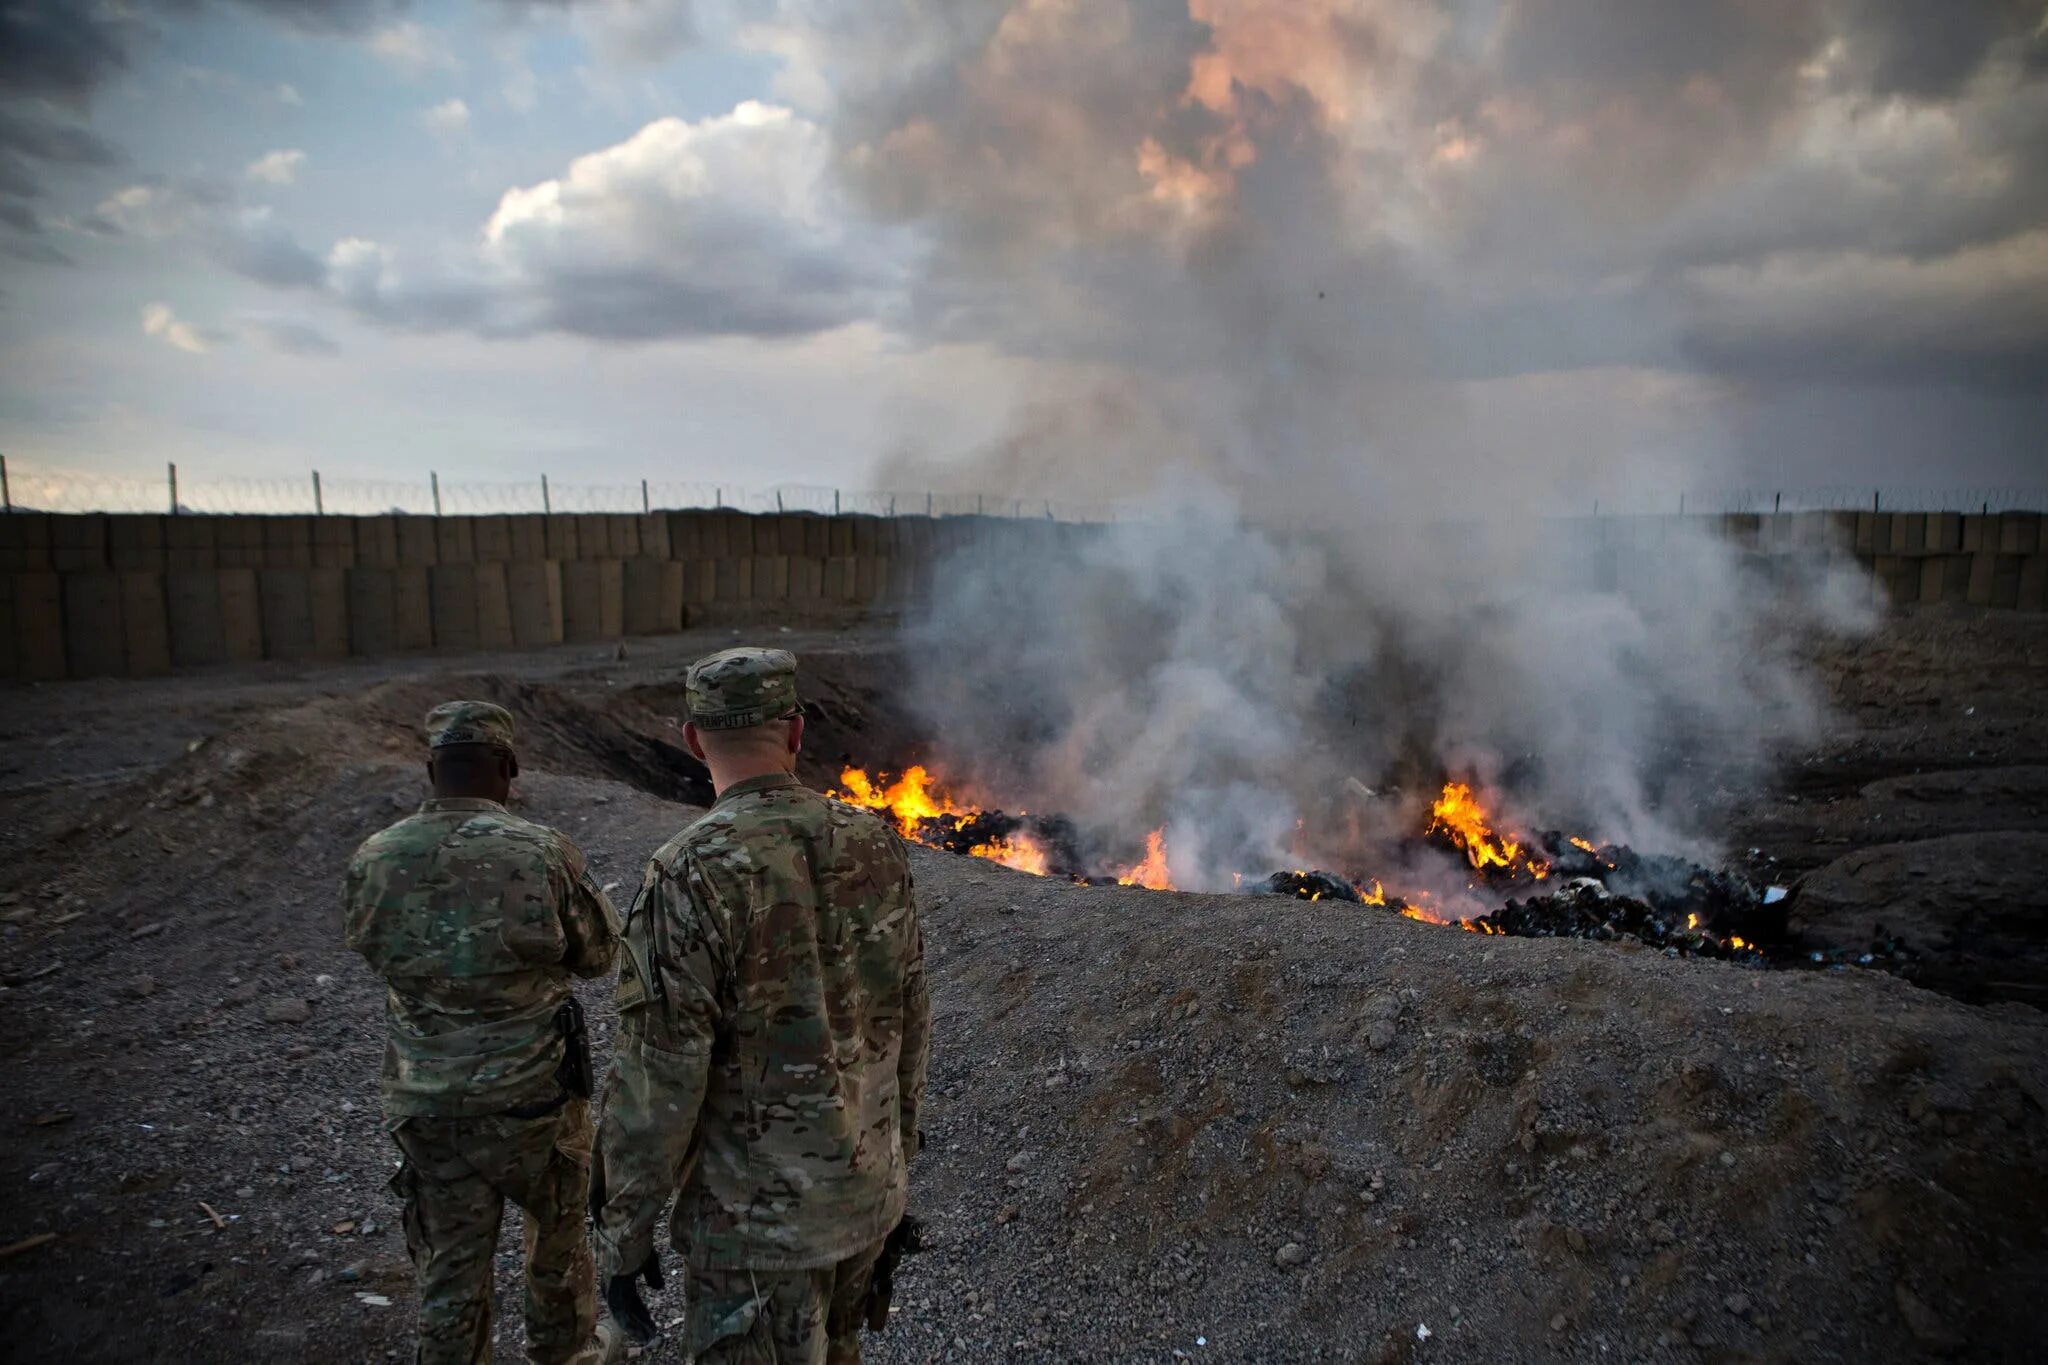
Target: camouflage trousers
[455, 1179]
[790, 1317]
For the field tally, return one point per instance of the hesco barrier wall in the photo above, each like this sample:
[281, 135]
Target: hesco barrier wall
[129, 595]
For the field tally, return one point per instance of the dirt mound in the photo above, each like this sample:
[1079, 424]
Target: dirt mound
[1278, 1127]
[1161, 1126]
[2022, 790]
[1964, 903]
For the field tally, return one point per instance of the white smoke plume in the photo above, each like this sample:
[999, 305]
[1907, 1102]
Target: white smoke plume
[1364, 291]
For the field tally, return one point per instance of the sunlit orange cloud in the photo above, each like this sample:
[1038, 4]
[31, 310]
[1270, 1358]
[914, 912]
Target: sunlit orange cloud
[1176, 180]
[1318, 47]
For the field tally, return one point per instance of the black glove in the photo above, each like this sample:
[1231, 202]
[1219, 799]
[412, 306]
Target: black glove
[622, 1296]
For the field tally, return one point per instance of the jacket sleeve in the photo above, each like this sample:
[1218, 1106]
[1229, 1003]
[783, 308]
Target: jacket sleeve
[671, 992]
[917, 1033]
[590, 927]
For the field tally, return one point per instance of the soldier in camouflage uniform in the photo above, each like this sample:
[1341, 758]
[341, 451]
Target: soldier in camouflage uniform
[477, 920]
[771, 1050]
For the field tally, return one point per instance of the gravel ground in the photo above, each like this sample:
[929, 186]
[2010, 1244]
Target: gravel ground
[1162, 1126]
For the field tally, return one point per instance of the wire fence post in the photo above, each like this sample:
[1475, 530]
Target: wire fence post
[645, 506]
[6, 493]
[718, 497]
[977, 504]
[435, 479]
[835, 502]
[174, 489]
[1681, 504]
[3, 479]
[778, 500]
[1876, 497]
[1777, 502]
[927, 503]
[319, 503]
[547, 503]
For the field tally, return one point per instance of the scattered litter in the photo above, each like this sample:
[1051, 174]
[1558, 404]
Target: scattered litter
[345, 1225]
[26, 1244]
[1422, 1332]
[372, 1300]
[214, 1214]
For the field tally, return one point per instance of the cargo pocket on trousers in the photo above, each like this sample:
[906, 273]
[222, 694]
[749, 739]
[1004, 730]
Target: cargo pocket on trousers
[405, 1183]
[722, 1319]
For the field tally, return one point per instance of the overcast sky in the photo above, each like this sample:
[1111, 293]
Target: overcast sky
[1061, 246]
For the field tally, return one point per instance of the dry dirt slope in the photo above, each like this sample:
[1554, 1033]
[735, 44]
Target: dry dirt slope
[1235, 1129]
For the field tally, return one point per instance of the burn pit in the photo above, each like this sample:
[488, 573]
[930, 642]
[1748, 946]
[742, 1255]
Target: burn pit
[1550, 885]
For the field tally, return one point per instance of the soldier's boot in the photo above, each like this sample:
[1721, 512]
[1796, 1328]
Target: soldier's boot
[606, 1345]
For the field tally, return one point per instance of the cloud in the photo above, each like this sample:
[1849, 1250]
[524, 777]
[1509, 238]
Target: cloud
[321, 16]
[723, 226]
[1462, 191]
[412, 49]
[1910, 47]
[32, 148]
[291, 336]
[629, 32]
[59, 49]
[520, 88]
[208, 215]
[251, 243]
[159, 321]
[25, 134]
[447, 120]
[160, 209]
[276, 168]
[1979, 315]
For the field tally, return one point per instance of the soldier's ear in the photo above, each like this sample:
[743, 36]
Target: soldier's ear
[692, 742]
[511, 766]
[796, 733]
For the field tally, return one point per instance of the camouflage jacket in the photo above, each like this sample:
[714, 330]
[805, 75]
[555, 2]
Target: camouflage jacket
[772, 1037]
[476, 920]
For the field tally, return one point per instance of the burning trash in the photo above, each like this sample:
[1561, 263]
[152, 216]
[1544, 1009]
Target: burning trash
[1458, 819]
[925, 811]
[1570, 886]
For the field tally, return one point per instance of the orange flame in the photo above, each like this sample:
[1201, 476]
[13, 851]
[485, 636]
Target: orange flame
[1376, 896]
[1151, 873]
[1582, 844]
[910, 800]
[1458, 813]
[1019, 851]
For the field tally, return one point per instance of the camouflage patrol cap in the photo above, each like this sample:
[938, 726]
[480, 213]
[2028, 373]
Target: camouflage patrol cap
[469, 722]
[735, 688]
